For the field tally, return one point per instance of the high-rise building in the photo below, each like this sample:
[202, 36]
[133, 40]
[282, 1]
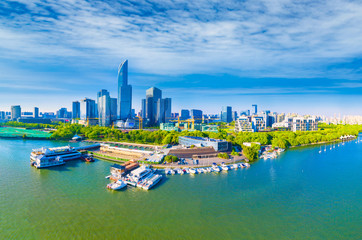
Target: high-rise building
[75, 110]
[36, 112]
[226, 114]
[62, 113]
[15, 112]
[153, 102]
[104, 108]
[113, 109]
[185, 114]
[124, 105]
[167, 108]
[143, 109]
[196, 115]
[87, 109]
[255, 109]
[155, 109]
[235, 115]
[2, 115]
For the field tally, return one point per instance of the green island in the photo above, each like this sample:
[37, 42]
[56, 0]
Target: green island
[281, 139]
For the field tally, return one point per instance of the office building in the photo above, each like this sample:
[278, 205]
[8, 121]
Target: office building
[196, 115]
[87, 109]
[124, 104]
[2, 115]
[154, 108]
[36, 112]
[104, 108]
[226, 114]
[143, 109]
[15, 112]
[75, 110]
[48, 115]
[62, 113]
[113, 109]
[167, 109]
[185, 114]
[255, 109]
[153, 98]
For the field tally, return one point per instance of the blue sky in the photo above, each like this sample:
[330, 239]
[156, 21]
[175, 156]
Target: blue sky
[285, 56]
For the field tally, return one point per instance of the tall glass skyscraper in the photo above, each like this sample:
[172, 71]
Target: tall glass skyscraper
[124, 105]
[76, 110]
[226, 114]
[87, 109]
[104, 108]
[153, 104]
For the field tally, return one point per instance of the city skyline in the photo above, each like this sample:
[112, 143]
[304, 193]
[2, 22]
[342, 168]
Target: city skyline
[281, 55]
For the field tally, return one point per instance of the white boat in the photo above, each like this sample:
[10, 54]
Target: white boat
[224, 167]
[172, 172]
[235, 166]
[215, 167]
[119, 184]
[152, 181]
[167, 171]
[200, 170]
[246, 164]
[193, 171]
[187, 170]
[50, 157]
[139, 173]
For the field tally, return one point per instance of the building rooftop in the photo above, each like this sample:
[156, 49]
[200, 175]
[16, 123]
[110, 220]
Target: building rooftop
[203, 139]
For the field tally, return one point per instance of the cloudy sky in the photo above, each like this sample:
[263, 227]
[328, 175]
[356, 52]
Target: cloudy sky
[284, 55]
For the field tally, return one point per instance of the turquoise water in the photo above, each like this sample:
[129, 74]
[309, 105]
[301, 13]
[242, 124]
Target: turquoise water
[300, 195]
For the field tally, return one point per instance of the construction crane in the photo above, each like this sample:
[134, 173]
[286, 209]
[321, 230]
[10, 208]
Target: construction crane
[140, 122]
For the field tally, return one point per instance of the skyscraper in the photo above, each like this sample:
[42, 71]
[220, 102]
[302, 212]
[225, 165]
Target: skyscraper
[75, 110]
[255, 108]
[143, 108]
[153, 97]
[36, 112]
[226, 114]
[104, 108]
[124, 105]
[167, 108]
[15, 112]
[154, 108]
[62, 113]
[87, 109]
[185, 114]
[196, 115]
[113, 109]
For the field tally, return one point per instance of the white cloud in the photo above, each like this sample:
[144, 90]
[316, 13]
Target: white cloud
[265, 38]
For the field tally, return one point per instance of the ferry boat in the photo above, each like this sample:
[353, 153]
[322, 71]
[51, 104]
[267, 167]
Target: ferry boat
[50, 157]
[139, 173]
[152, 181]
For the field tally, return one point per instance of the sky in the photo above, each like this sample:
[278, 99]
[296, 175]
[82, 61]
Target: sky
[284, 55]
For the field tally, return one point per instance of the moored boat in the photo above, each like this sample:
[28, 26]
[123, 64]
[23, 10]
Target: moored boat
[118, 185]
